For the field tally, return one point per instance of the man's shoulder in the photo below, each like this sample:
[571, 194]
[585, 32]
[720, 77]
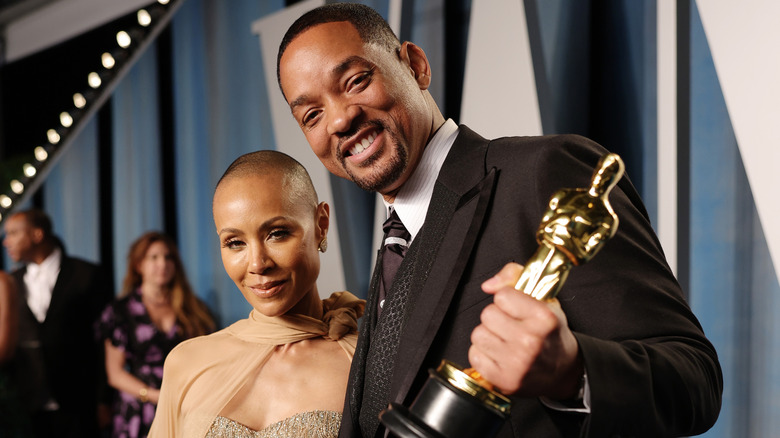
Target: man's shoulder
[86, 273]
[543, 143]
[528, 147]
[531, 153]
[79, 263]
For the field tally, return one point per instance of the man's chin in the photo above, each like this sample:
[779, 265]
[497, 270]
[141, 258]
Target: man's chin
[371, 184]
[377, 179]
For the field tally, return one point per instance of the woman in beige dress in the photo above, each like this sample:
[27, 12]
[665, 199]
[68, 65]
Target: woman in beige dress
[282, 371]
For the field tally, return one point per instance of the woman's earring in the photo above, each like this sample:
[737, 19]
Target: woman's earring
[323, 244]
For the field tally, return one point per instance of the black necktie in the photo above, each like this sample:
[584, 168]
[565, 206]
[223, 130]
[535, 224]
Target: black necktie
[380, 358]
[393, 251]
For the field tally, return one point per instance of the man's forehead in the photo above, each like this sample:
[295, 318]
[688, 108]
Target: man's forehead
[328, 39]
[16, 222]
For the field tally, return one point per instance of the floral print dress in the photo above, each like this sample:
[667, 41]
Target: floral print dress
[126, 323]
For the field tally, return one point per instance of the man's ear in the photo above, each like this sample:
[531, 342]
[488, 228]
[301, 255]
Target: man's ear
[413, 56]
[37, 235]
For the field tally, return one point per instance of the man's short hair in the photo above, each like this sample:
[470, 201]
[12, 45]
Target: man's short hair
[37, 218]
[293, 175]
[371, 27]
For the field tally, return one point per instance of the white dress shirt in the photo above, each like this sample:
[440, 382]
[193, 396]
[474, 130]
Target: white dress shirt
[40, 280]
[413, 198]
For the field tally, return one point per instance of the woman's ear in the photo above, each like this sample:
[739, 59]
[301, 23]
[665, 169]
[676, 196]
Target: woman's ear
[414, 56]
[322, 220]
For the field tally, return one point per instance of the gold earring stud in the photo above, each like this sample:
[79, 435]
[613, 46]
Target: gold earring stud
[323, 245]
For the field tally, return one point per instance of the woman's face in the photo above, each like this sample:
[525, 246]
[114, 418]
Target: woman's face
[269, 242]
[157, 267]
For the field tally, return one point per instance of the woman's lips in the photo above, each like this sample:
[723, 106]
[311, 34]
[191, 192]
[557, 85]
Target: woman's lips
[268, 289]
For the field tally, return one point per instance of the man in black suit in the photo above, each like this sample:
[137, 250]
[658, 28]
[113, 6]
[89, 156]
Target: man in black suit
[59, 362]
[618, 354]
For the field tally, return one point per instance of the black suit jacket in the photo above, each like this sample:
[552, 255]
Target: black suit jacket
[67, 363]
[650, 368]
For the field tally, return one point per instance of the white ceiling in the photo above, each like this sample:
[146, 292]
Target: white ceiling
[30, 26]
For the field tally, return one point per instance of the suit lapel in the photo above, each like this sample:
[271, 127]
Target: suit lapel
[462, 193]
[357, 371]
[58, 294]
[20, 284]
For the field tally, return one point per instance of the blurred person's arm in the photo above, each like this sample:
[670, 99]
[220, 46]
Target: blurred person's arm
[123, 381]
[9, 317]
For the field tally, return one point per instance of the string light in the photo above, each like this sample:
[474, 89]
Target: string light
[5, 201]
[162, 2]
[93, 79]
[65, 119]
[79, 101]
[123, 39]
[29, 169]
[53, 136]
[144, 19]
[40, 153]
[17, 186]
[107, 60]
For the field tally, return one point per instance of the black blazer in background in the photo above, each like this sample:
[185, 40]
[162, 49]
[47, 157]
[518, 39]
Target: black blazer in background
[72, 360]
[651, 370]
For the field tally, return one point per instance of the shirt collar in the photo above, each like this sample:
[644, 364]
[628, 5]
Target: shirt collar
[50, 265]
[413, 198]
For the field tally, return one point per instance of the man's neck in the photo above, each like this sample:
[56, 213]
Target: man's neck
[42, 254]
[436, 123]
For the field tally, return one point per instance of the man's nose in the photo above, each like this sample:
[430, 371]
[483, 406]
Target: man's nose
[342, 117]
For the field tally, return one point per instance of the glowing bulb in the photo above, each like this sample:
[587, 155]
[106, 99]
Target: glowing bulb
[123, 39]
[162, 2]
[108, 61]
[17, 186]
[79, 100]
[40, 153]
[144, 19]
[65, 119]
[5, 201]
[29, 169]
[94, 80]
[53, 137]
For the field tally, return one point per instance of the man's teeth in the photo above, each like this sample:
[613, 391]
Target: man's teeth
[363, 144]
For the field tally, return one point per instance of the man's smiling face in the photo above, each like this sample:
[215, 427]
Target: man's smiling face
[361, 107]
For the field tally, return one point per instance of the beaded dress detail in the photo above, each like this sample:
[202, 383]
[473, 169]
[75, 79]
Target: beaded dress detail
[313, 424]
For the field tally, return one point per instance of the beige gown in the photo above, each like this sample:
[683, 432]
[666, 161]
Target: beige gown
[203, 374]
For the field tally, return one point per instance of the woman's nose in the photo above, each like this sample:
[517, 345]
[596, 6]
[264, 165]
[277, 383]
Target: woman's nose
[260, 260]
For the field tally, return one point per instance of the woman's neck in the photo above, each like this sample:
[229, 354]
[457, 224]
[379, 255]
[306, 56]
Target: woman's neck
[154, 295]
[309, 305]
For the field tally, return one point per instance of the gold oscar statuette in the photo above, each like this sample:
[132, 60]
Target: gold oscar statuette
[457, 402]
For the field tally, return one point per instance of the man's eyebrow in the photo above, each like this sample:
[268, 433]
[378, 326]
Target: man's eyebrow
[336, 71]
[300, 100]
[348, 63]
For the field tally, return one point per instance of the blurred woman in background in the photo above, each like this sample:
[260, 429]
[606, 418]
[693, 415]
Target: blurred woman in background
[155, 311]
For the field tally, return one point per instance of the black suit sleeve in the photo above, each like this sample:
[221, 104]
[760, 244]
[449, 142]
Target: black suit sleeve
[651, 370]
